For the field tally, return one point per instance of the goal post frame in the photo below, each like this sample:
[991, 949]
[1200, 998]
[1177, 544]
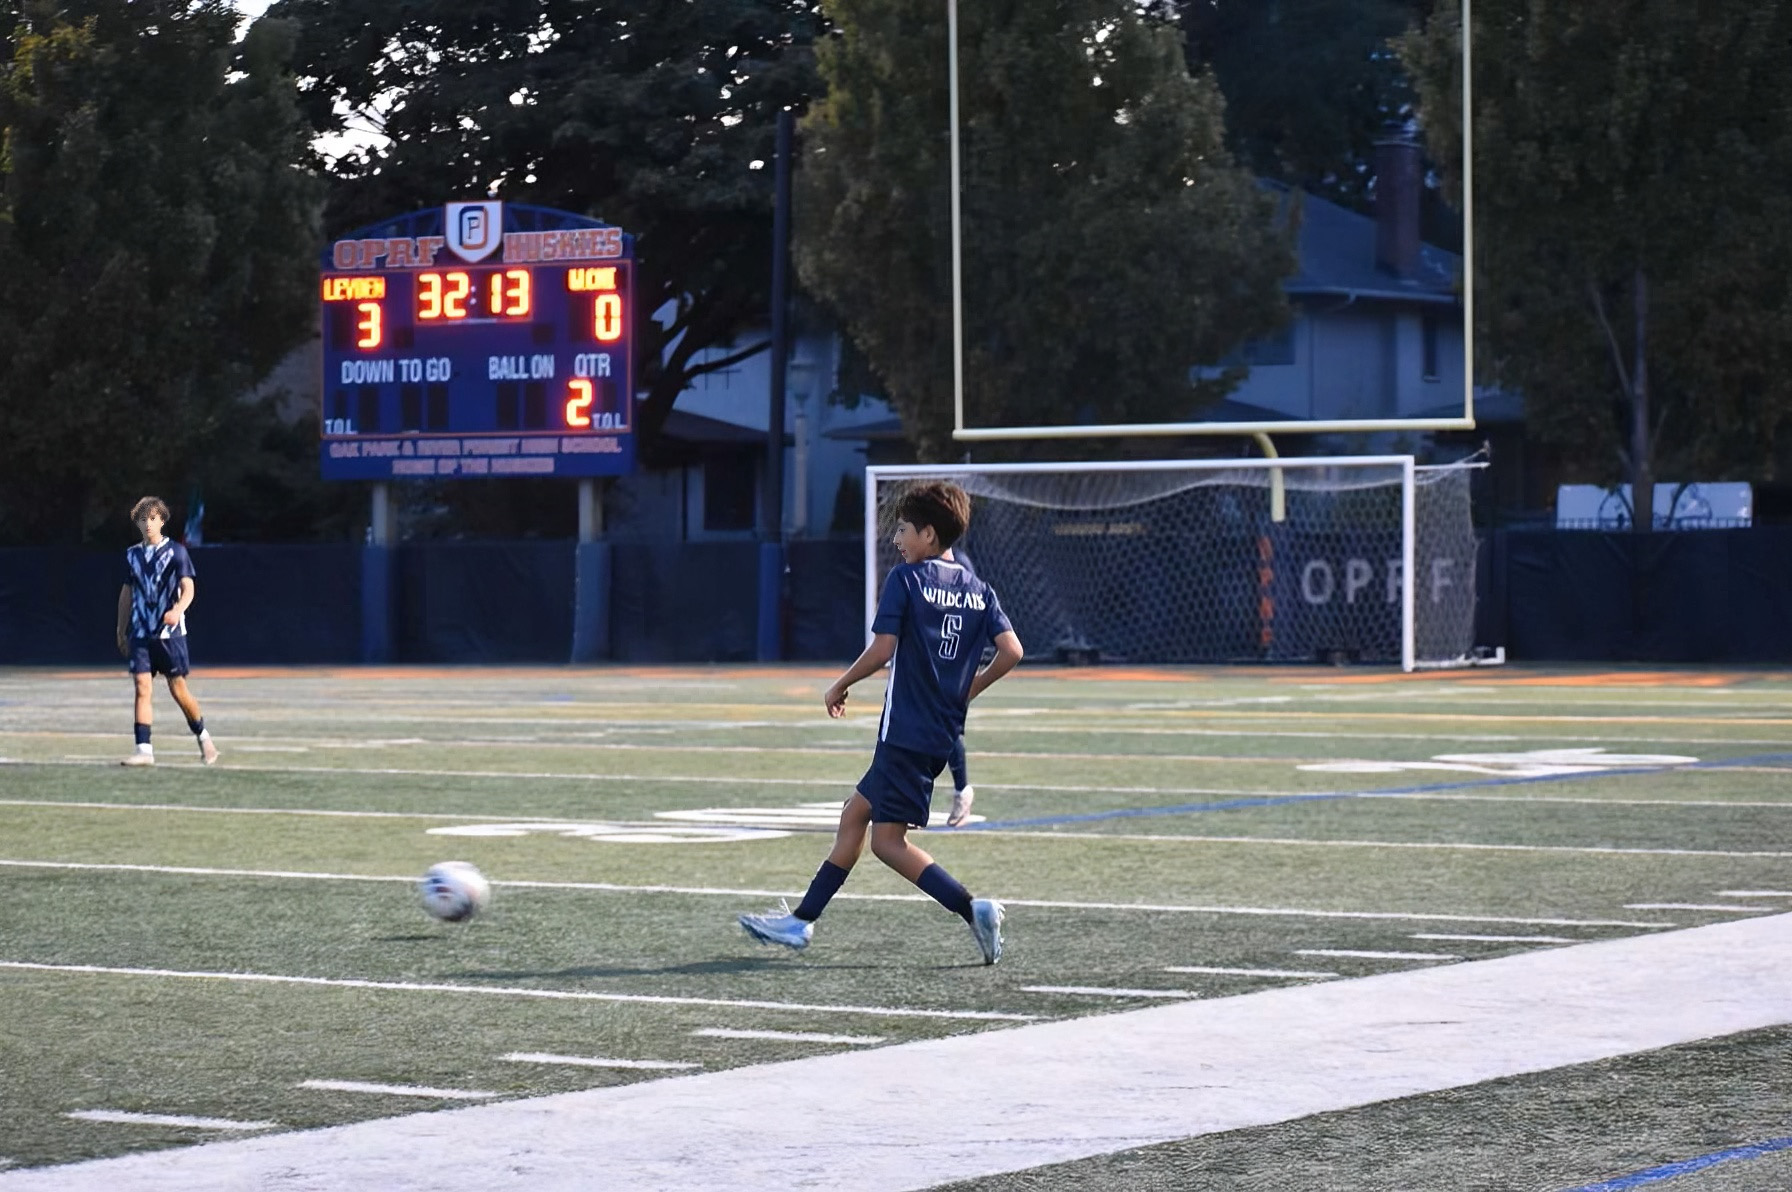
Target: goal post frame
[1408, 512]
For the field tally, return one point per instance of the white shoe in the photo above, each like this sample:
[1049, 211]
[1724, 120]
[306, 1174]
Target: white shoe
[779, 927]
[139, 759]
[208, 752]
[961, 806]
[986, 925]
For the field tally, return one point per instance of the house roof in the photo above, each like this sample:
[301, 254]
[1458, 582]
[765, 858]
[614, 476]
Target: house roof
[1337, 256]
[1491, 406]
[701, 431]
[884, 429]
[1224, 410]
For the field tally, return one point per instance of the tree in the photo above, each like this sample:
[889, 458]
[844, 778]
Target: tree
[1633, 228]
[155, 244]
[1109, 241]
[658, 118]
[1309, 84]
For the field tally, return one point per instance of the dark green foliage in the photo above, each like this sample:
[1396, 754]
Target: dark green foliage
[156, 244]
[649, 116]
[1632, 222]
[1109, 241]
[1309, 84]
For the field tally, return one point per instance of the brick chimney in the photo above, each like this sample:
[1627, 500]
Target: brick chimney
[1397, 193]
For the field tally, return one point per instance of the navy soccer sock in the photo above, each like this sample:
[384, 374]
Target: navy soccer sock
[944, 889]
[828, 880]
[198, 726]
[956, 760]
[143, 734]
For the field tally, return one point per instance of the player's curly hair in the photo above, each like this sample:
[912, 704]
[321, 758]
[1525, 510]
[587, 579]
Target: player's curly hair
[940, 504]
[147, 506]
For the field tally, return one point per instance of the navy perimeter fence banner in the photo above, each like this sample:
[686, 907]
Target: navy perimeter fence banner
[1691, 596]
[253, 604]
[1718, 596]
[483, 602]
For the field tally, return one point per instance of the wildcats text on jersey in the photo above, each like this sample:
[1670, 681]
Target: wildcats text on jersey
[947, 598]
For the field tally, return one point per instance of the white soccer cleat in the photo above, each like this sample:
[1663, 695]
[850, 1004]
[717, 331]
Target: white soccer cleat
[139, 759]
[208, 752]
[961, 806]
[986, 925]
[779, 927]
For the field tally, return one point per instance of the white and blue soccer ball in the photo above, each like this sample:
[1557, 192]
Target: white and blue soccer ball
[454, 891]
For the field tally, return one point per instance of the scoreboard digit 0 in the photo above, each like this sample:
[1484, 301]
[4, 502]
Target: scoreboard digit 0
[478, 339]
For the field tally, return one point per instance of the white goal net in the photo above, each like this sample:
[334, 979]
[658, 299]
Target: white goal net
[1291, 560]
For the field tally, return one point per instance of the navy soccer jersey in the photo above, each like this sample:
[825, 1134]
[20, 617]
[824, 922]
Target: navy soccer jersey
[154, 573]
[942, 617]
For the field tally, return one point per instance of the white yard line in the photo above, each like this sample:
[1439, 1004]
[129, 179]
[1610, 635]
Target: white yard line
[1246, 972]
[1464, 846]
[1754, 893]
[1497, 939]
[1695, 906]
[723, 1032]
[396, 1090]
[724, 892]
[571, 995]
[126, 1118]
[1086, 1086]
[1365, 955]
[1105, 991]
[593, 1061]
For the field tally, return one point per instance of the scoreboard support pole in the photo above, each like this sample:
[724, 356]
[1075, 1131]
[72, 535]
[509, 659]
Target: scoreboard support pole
[771, 546]
[591, 580]
[376, 579]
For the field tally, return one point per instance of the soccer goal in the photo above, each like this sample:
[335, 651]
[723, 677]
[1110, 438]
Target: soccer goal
[1275, 560]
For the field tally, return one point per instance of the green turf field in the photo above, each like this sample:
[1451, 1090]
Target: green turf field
[203, 942]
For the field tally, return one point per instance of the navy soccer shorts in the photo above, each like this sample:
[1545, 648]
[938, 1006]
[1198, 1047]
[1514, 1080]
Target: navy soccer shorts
[899, 785]
[159, 656]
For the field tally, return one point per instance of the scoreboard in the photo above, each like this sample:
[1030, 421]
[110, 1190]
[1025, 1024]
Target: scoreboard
[478, 339]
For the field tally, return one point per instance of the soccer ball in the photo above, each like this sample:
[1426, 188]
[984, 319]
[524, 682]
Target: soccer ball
[454, 891]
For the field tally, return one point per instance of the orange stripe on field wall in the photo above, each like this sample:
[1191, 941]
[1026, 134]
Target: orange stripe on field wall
[1482, 678]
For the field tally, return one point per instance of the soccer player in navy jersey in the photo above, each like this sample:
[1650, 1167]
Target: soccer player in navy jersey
[963, 794]
[931, 627]
[152, 627]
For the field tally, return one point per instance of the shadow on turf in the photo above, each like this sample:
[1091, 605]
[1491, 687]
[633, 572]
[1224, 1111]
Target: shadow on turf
[735, 965]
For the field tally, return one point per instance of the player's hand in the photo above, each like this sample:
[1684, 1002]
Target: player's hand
[834, 700]
[170, 618]
[124, 645]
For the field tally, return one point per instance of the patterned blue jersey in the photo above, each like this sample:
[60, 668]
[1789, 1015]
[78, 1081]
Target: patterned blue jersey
[154, 573]
[942, 617]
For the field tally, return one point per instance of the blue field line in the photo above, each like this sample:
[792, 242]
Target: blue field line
[1668, 1171]
[1379, 793]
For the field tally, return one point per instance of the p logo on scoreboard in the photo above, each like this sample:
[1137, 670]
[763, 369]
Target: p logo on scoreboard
[474, 230]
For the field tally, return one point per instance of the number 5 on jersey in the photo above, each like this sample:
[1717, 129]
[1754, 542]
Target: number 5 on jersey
[950, 626]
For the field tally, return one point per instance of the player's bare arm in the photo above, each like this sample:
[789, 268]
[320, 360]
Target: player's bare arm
[1008, 656]
[874, 659]
[173, 615]
[124, 620]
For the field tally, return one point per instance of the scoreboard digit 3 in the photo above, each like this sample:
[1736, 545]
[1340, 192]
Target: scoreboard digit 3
[478, 339]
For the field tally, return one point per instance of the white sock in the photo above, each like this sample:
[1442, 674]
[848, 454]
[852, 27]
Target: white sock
[146, 749]
[205, 734]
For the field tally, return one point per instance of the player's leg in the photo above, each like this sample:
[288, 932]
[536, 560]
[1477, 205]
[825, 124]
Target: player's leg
[849, 843]
[890, 842]
[189, 706]
[795, 928]
[962, 793]
[144, 716]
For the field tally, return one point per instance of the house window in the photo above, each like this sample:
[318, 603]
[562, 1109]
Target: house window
[1428, 334]
[730, 493]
